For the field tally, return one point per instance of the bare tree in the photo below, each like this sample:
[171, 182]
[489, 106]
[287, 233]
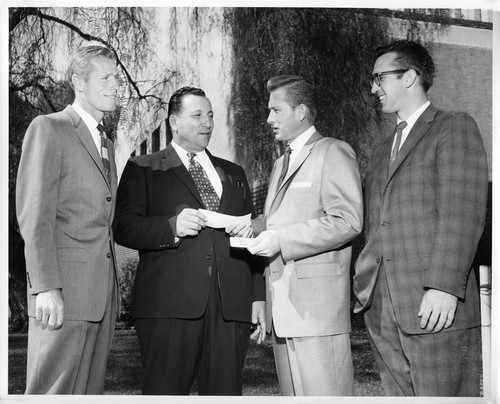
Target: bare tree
[35, 34]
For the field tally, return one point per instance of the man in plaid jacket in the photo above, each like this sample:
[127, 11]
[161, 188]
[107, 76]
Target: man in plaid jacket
[426, 191]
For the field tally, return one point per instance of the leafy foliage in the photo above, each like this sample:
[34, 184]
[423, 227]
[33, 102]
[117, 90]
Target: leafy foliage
[127, 278]
[331, 48]
[37, 59]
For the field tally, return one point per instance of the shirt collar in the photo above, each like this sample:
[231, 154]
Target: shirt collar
[183, 153]
[413, 118]
[301, 140]
[87, 118]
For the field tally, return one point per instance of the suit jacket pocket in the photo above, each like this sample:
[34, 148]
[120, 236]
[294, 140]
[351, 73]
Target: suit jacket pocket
[420, 165]
[71, 254]
[299, 191]
[301, 185]
[316, 269]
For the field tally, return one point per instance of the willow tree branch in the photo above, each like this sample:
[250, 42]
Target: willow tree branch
[18, 15]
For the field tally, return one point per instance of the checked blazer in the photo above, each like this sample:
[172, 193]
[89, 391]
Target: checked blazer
[424, 217]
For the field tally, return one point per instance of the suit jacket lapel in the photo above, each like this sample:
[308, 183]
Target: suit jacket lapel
[271, 193]
[381, 160]
[85, 137]
[227, 184]
[171, 160]
[297, 163]
[420, 128]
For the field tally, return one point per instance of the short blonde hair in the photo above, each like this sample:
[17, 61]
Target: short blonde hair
[80, 63]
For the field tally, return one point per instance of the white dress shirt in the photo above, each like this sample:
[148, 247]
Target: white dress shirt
[298, 143]
[91, 125]
[206, 163]
[410, 122]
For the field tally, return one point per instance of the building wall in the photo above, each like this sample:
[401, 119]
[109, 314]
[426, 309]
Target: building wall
[464, 83]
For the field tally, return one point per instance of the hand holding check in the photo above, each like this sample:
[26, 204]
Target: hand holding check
[240, 230]
[266, 244]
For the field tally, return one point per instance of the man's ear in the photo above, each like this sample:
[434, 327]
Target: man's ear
[301, 111]
[77, 82]
[173, 122]
[410, 78]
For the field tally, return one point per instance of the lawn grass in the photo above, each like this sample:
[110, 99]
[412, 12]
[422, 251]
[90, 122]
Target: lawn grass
[259, 375]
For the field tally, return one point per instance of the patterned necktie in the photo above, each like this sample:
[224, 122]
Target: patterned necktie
[104, 149]
[399, 134]
[207, 192]
[284, 168]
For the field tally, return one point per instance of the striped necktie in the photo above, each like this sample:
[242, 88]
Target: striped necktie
[104, 149]
[205, 188]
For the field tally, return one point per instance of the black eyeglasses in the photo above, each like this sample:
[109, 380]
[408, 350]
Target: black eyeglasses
[375, 78]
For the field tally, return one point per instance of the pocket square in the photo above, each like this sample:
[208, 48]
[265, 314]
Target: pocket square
[303, 184]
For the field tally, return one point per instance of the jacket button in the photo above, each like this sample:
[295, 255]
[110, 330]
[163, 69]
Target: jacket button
[385, 223]
[108, 199]
[209, 256]
[108, 255]
[378, 260]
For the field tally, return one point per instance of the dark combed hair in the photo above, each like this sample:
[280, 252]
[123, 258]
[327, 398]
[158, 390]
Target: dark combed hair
[81, 60]
[175, 104]
[297, 91]
[411, 55]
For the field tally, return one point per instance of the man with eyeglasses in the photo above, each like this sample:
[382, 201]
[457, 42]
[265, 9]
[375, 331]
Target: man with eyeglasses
[425, 192]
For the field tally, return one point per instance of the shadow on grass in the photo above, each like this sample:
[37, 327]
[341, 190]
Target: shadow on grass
[124, 373]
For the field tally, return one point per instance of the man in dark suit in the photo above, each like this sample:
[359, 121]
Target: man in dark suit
[65, 199]
[426, 192]
[194, 296]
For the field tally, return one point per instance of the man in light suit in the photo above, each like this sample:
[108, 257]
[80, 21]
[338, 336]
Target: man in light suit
[65, 199]
[313, 210]
[195, 297]
[426, 191]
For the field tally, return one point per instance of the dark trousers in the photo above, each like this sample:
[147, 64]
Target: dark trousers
[434, 364]
[175, 351]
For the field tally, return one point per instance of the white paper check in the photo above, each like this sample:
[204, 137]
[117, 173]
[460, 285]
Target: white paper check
[218, 220]
[241, 242]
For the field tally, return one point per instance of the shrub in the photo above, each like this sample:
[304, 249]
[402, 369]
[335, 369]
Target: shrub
[127, 272]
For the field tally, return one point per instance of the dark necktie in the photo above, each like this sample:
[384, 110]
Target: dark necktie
[207, 192]
[399, 134]
[284, 168]
[104, 149]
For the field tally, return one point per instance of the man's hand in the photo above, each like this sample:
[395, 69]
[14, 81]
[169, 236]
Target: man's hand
[50, 307]
[437, 310]
[266, 244]
[240, 230]
[259, 319]
[190, 222]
